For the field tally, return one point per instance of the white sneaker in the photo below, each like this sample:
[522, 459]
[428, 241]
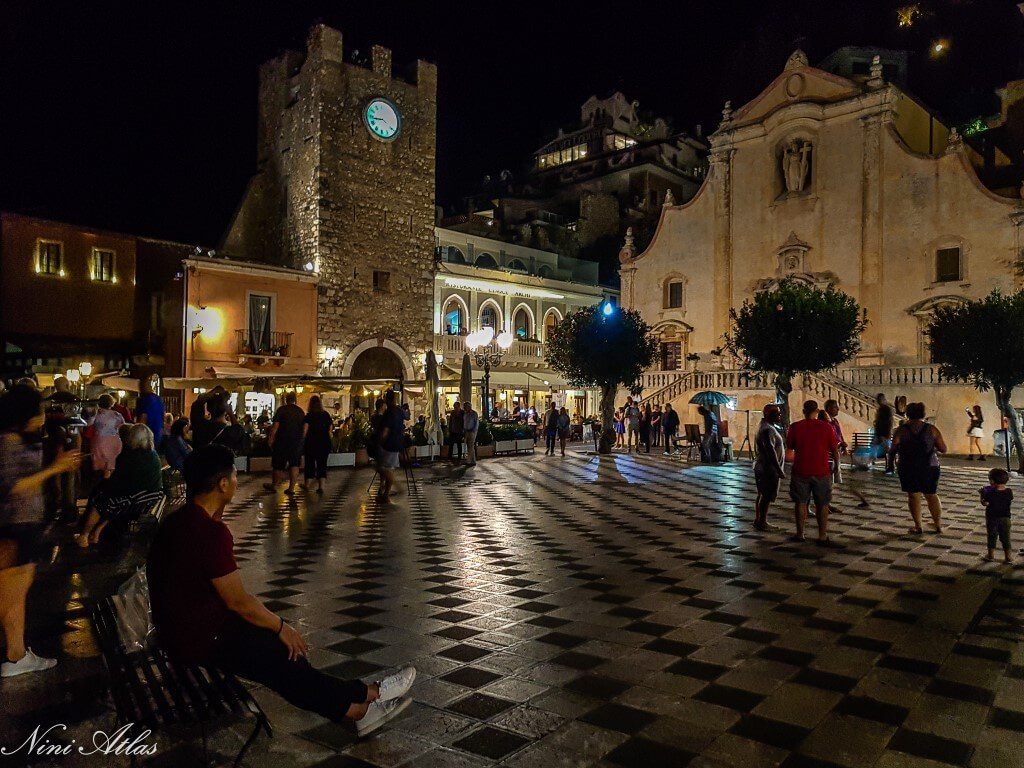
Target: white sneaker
[28, 663]
[379, 713]
[397, 685]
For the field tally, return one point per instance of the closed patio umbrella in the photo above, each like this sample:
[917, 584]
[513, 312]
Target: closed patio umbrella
[431, 390]
[466, 381]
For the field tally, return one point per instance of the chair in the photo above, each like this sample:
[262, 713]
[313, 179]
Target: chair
[692, 437]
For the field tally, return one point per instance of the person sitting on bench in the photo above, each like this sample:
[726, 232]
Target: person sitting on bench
[204, 615]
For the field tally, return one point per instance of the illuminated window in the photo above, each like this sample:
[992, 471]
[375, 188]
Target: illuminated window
[50, 258]
[521, 323]
[381, 281]
[103, 265]
[948, 266]
[454, 322]
[550, 321]
[616, 141]
[489, 317]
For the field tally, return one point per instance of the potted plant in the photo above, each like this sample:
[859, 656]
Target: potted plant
[484, 440]
[421, 447]
[259, 458]
[342, 454]
[360, 436]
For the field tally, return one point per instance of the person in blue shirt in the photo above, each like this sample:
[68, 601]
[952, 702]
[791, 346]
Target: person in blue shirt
[391, 442]
[149, 410]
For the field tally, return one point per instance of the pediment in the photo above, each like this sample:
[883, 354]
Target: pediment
[799, 82]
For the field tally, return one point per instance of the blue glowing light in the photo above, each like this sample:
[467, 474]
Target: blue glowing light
[608, 308]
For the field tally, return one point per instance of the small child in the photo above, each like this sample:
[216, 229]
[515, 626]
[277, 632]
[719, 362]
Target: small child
[996, 498]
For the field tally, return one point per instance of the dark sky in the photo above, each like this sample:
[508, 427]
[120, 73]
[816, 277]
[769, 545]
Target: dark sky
[142, 116]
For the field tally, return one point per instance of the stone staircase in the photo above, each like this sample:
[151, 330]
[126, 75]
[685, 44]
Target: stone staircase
[669, 386]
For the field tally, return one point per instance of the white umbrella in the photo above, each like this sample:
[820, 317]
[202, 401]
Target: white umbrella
[466, 382]
[433, 417]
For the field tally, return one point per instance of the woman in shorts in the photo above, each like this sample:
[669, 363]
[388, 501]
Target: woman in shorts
[918, 444]
[22, 478]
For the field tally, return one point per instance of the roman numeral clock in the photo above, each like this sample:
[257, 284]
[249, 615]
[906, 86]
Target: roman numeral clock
[382, 119]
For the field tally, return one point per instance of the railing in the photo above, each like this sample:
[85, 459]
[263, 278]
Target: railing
[851, 401]
[278, 344]
[520, 353]
[891, 375]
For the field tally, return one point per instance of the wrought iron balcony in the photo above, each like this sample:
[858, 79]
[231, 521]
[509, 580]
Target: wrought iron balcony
[258, 348]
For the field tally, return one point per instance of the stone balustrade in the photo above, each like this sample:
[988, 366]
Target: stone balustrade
[523, 353]
[891, 375]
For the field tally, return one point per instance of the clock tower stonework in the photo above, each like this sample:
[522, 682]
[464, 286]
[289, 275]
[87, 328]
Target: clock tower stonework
[345, 190]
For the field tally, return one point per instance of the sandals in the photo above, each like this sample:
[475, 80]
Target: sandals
[916, 531]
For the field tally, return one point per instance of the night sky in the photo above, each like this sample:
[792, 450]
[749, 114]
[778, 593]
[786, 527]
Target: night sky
[142, 116]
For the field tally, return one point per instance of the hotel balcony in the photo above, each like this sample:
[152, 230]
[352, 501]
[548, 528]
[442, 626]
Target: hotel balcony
[258, 349]
[522, 354]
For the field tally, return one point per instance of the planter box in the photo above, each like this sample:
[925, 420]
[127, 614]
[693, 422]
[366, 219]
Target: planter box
[525, 445]
[484, 451]
[505, 446]
[242, 463]
[341, 460]
[259, 464]
[424, 451]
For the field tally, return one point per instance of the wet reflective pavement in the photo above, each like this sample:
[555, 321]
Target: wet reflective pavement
[582, 611]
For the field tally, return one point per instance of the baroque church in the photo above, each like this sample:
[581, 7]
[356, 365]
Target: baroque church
[835, 180]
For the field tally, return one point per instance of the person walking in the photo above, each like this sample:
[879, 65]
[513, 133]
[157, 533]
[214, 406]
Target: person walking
[645, 429]
[204, 615]
[882, 438]
[656, 425]
[975, 432]
[470, 426]
[996, 498]
[456, 432]
[918, 444]
[149, 408]
[317, 443]
[22, 517]
[285, 440]
[550, 429]
[813, 441]
[769, 467]
[631, 416]
[392, 443]
[105, 444]
[669, 425]
[563, 427]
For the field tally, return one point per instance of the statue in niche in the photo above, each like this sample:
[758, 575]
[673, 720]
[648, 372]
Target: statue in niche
[796, 162]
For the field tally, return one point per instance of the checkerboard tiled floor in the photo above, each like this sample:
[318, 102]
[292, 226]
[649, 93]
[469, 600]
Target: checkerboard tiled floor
[618, 612]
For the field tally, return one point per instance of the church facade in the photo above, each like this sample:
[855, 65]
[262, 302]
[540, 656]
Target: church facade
[830, 180]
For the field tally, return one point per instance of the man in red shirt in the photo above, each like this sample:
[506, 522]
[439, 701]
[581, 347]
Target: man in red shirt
[204, 615]
[813, 442]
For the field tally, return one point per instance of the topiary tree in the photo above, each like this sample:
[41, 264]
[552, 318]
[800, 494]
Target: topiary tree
[982, 343]
[602, 346]
[795, 328]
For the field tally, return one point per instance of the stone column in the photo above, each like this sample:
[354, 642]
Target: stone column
[871, 232]
[506, 321]
[721, 168]
[473, 321]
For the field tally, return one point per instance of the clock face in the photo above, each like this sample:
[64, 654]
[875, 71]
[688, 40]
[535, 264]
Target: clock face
[382, 119]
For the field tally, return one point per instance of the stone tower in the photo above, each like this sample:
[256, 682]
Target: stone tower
[345, 187]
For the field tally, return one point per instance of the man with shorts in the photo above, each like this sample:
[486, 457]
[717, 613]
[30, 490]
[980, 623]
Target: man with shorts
[769, 468]
[812, 442]
[392, 438]
[285, 440]
[204, 615]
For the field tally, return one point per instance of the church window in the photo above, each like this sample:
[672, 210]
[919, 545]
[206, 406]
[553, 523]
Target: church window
[674, 295]
[381, 281]
[948, 266]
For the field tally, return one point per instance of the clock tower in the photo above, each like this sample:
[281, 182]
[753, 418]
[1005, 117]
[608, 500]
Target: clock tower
[345, 188]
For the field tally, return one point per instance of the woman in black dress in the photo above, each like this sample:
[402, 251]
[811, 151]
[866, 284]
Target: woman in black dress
[918, 444]
[317, 443]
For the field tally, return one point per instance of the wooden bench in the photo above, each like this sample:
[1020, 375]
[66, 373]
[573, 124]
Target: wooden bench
[154, 692]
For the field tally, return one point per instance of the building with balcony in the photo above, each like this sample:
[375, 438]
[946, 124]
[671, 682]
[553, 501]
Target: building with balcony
[584, 187]
[482, 282]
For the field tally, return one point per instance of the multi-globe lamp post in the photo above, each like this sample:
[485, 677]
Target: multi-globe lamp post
[488, 349]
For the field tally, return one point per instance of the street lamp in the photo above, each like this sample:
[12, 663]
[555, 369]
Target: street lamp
[487, 351]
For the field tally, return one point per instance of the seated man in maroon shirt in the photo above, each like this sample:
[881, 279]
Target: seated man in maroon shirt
[204, 615]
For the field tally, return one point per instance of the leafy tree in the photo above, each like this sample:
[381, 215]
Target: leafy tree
[793, 329]
[602, 346]
[982, 343]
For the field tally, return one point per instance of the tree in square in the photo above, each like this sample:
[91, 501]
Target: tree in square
[795, 328]
[982, 343]
[602, 346]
